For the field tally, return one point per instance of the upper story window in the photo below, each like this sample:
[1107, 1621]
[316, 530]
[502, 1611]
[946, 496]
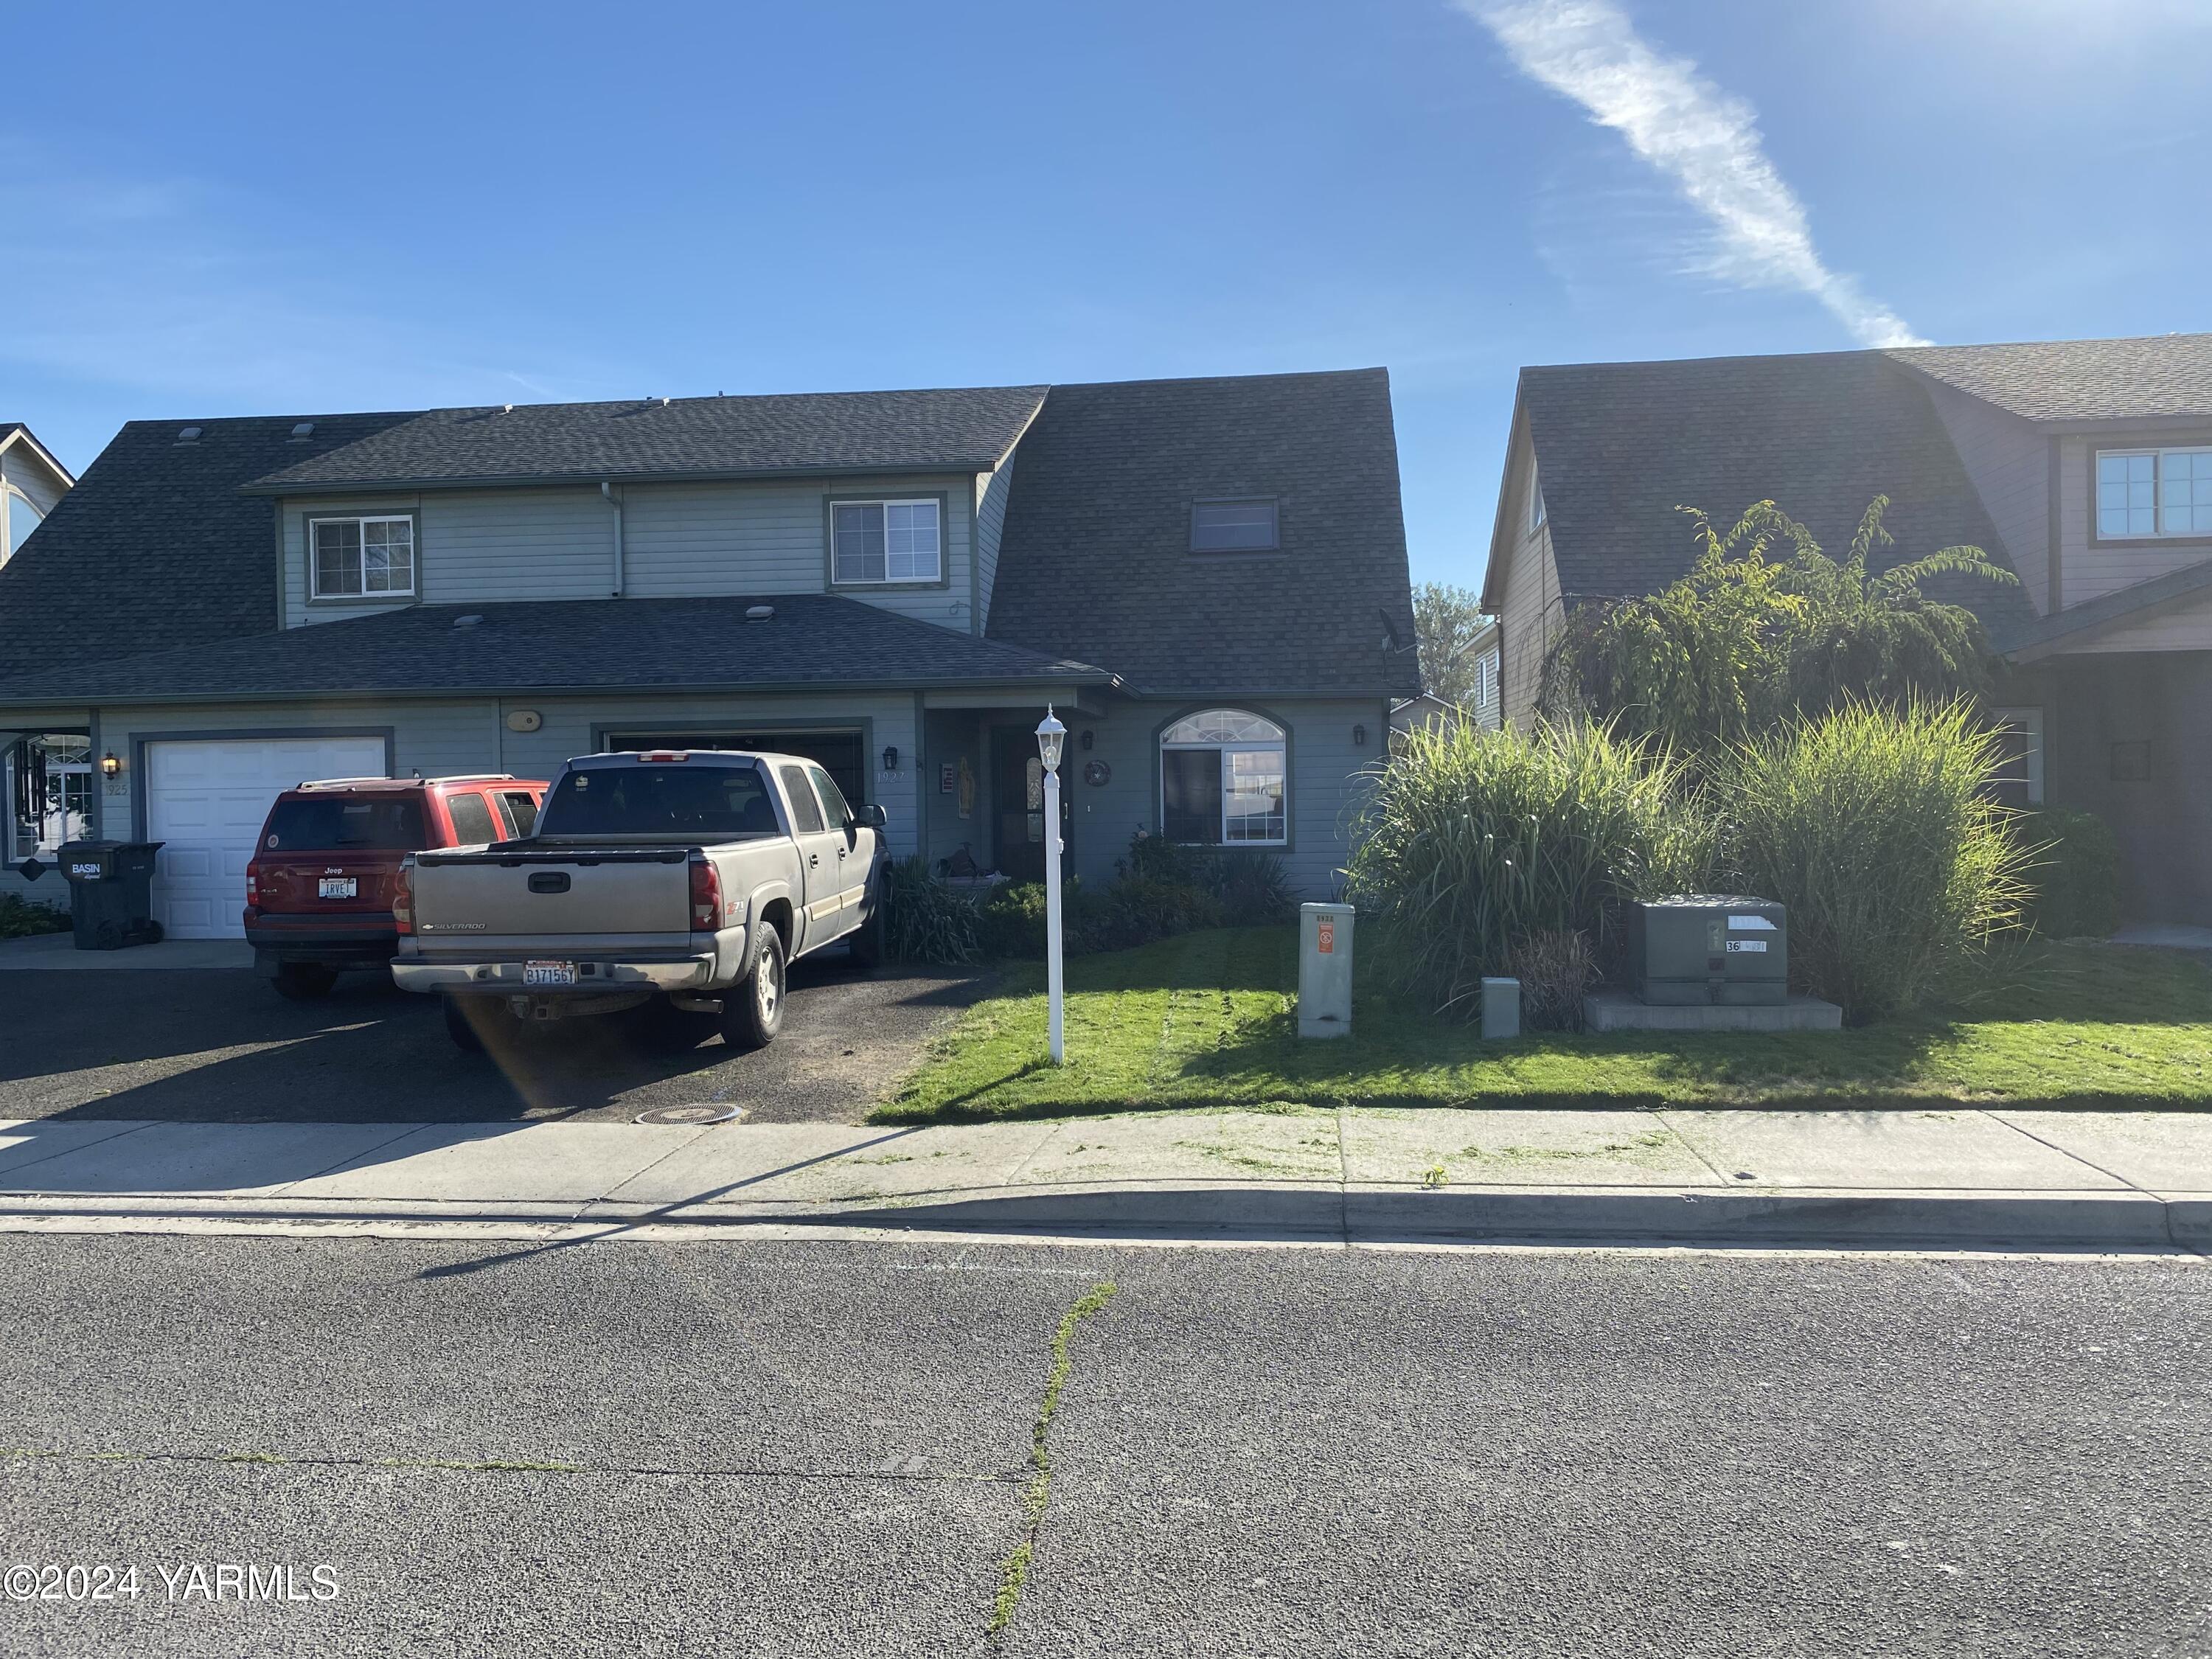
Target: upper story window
[1223, 778]
[2019, 780]
[1246, 525]
[23, 520]
[2153, 492]
[886, 541]
[1535, 501]
[362, 558]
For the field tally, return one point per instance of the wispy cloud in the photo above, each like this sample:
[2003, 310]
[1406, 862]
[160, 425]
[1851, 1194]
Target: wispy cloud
[1702, 138]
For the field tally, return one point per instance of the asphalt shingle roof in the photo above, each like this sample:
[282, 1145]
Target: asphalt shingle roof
[154, 547]
[1095, 558]
[1620, 445]
[960, 430]
[575, 645]
[2144, 378]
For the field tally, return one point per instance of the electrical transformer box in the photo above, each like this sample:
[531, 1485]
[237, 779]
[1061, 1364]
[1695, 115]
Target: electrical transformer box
[1709, 948]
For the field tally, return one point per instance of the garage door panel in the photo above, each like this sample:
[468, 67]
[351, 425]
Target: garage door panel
[206, 801]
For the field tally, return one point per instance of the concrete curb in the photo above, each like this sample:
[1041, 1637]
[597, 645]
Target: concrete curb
[2120, 1221]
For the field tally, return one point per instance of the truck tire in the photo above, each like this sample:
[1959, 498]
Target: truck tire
[303, 981]
[460, 1027]
[865, 942]
[752, 1009]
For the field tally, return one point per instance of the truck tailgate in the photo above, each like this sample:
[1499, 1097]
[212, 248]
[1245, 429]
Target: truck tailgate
[545, 901]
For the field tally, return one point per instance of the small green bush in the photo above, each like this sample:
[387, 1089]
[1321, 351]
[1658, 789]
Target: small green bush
[1876, 828]
[1010, 922]
[2077, 874]
[925, 921]
[1137, 909]
[1472, 841]
[1556, 970]
[22, 918]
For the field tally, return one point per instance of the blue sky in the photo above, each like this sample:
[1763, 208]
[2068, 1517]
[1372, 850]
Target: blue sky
[289, 208]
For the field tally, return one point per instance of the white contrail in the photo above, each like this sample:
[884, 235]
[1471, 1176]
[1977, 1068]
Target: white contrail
[1700, 135]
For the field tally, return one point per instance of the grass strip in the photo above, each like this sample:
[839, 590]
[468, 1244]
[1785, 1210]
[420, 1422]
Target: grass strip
[1015, 1572]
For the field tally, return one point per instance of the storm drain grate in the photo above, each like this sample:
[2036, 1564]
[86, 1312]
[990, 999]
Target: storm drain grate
[691, 1116]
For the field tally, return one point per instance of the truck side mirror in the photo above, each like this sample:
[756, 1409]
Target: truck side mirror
[874, 817]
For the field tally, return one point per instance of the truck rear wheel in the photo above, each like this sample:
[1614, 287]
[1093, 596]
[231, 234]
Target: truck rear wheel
[752, 1010]
[460, 1027]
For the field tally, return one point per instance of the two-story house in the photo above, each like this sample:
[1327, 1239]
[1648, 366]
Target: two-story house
[2084, 465]
[1206, 578]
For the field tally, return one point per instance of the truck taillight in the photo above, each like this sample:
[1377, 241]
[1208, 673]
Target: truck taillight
[403, 897]
[253, 882]
[706, 897]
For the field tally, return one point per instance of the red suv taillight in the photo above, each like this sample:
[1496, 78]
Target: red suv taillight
[253, 882]
[403, 898]
[706, 897]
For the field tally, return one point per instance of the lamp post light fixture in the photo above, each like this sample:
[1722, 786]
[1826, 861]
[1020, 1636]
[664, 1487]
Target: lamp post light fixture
[1051, 738]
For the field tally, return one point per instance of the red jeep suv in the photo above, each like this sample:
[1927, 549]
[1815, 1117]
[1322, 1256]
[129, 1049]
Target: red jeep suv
[319, 891]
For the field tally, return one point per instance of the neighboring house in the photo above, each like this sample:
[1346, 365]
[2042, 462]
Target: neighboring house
[2085, 466]
[1481, 705]
[1206, 578]
[31, 481]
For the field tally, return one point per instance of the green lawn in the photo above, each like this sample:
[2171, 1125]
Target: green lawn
[1208, 1020]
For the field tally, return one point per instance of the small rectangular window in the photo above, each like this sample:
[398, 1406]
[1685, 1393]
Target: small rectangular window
[1244, 526]
[2149, 493]
[362, 558]
[2019, 781]
[1536, 502]
[885, 542]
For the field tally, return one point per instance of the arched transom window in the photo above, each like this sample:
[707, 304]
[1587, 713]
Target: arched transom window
[1223, 778]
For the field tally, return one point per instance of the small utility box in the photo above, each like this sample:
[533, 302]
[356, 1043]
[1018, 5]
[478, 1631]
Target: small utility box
[1712, 948]
[1324, 970]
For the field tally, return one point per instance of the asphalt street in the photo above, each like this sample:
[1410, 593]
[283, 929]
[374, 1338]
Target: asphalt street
[826, 1447]
[221, 1046]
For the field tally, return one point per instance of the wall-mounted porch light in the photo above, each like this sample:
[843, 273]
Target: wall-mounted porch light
[890, 758]
[109, 766]
[1359, 737]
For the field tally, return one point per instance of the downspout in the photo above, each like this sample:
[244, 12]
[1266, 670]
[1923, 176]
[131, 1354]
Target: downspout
[614, 501]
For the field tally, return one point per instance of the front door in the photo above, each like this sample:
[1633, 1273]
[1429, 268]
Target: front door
[1018, 803]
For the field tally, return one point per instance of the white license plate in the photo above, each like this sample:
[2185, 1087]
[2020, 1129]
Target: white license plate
[548, 972]
[338, 887]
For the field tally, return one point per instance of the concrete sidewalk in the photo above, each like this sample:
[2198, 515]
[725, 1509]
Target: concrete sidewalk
[2122, 1181]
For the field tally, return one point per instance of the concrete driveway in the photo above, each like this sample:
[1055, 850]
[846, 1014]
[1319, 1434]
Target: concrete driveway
[216, 1044]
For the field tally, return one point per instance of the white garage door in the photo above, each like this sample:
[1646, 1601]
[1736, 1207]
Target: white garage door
[205, 803]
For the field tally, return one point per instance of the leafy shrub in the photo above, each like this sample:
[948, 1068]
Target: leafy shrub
[22, 918]
[1875, 828]
[1010, 922]
[1556, 970]
[925, 921]
[2076, 873]
[1137, 909]
[1254, 888]
[1472, 841]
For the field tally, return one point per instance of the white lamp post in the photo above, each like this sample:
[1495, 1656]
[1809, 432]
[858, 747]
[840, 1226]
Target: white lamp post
[1051, 735]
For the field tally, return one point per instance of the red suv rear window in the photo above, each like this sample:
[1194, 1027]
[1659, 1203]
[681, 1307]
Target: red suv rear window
[309, 824]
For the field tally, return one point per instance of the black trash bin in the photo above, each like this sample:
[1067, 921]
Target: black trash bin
[111, 892]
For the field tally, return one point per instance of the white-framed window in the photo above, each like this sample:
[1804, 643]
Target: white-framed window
[2019, 775]
[361, 558]
[1535, 500]
[49, 783]
[1243, 524]
[1223, 780]
[1485, 682]
[21, 519]
[890, 541]
[2153, 492]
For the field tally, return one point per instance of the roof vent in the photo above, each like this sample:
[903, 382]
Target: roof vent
[508, 410]
[188, 434]
[759, 612]
[664, 403]
[474, 619]
[302, 430]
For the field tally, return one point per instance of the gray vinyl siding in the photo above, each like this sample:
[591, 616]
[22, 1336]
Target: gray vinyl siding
[2008, 461]
[479, 547]
[1530, 611]
[18, 467]
[1325, 781]
[990, 520]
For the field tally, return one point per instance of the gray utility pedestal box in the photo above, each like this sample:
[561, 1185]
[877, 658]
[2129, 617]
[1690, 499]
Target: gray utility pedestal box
[1709, 948]
[1324, 970]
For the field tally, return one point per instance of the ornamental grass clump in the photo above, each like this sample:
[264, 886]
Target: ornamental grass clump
[1876, 828]
[1473, 841]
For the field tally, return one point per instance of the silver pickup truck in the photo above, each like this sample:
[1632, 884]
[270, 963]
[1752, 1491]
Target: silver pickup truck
[693, 877]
